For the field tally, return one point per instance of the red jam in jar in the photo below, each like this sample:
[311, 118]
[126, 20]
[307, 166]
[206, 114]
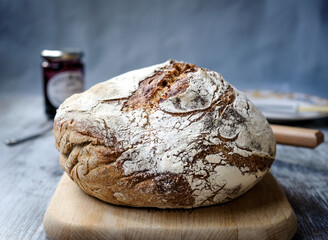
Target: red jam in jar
[62, 77]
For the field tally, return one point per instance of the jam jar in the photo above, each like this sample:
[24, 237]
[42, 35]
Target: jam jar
[62, 76]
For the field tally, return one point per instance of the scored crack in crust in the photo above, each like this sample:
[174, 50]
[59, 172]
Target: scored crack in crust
[172, 135]
[165, 83]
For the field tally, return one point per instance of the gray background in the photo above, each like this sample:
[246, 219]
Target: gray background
[277, 44]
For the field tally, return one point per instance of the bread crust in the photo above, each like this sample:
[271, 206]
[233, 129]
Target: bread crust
[171, 135]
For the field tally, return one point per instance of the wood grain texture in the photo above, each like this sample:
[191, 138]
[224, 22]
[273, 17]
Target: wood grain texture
[296, 136]
[261, 213]
[29, 174]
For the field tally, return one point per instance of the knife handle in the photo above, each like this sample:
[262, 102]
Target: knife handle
[296, 136]
[319, 109]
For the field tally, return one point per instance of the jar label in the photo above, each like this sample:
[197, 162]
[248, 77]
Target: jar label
[63, 85]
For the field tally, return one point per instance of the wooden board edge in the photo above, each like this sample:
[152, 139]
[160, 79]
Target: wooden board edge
[77, 231]
[49, 220]
[289, 213]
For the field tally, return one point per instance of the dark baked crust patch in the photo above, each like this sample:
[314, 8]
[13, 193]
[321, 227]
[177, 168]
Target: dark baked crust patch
[166, 82]
[166, 189]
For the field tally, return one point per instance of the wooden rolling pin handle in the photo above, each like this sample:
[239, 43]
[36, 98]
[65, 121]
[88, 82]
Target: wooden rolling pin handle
[295, 136]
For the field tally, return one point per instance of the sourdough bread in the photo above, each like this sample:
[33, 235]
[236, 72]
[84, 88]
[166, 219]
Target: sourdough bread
[172, 135]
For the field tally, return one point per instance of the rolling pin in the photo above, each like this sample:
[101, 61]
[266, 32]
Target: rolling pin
[296, 136]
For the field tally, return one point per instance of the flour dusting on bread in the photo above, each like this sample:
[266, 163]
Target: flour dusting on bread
[153, 136]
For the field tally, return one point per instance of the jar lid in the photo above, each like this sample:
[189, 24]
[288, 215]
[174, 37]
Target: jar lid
[67, 54]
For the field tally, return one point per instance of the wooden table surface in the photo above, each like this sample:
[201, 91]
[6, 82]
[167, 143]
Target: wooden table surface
[29, 174]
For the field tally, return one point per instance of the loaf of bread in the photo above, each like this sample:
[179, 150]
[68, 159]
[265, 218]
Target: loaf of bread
[172, 135]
